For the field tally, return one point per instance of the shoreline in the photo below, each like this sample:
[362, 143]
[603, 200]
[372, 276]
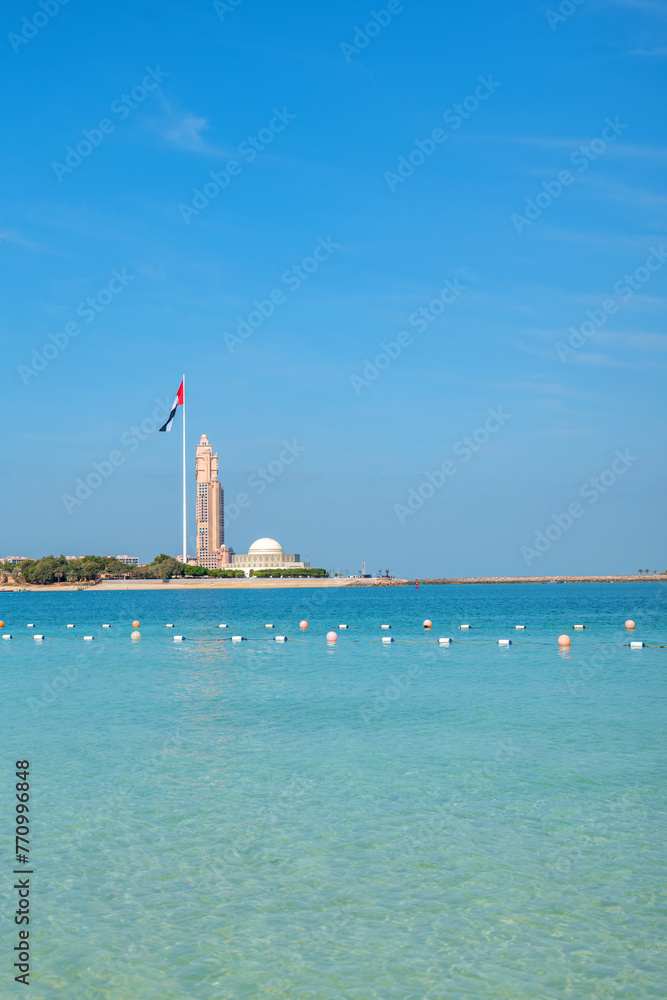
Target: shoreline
[202, 583]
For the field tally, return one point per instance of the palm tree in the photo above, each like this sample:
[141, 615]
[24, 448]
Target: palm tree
[640, 571]
[58, 575]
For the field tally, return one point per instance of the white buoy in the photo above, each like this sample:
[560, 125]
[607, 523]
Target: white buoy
[342, 626]
[385, 626]
[578, 626]
[237, 638]
[38, 637]
[387, 638]
[269, 626]
[464, 626]
[169, 626]
[30, 625]
[445, 640]
[637, 645]
[280, 638]
[71, 626]
[88, 638]
[7, 636]
[504, 642]
[179, 638]
[519, 626]
[223, 626]
[106, 626]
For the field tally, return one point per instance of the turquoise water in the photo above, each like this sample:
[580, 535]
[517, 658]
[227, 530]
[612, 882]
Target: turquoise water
[362, 820]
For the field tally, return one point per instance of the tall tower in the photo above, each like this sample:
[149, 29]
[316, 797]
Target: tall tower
[210, 508]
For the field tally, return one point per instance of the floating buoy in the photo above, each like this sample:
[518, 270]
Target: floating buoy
[578, 626]
[169, 626]
[2, 624]
[269, 626]
[629, 623]
[280, 638]
[563, 640]
[106, 626]
[38, 637]
[303, 624]
[504, 642]
[428, 623]
[223, 626]
[332, 637]
[70, 626]
[464, 626]
[385, 626]
[135, 624]
[30, 625]
[135, 635]
[445, 641]
[237, 638]
[88, 638]
[519, 626]
[387, 638]
[7, 636]
[342, 626]
[637, 645]
[179, 638]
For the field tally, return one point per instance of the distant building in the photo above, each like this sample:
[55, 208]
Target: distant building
[128, 560]
[211, 549]
[14, 560]
[266, 553]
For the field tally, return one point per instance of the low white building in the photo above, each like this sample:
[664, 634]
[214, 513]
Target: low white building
[266, 553]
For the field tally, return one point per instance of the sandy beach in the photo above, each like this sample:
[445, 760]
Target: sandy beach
[217, 583]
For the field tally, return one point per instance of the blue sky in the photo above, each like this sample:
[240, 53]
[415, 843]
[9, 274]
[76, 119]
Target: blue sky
[533, 199]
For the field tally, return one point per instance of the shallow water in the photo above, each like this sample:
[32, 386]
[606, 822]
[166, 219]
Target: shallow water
[359, 820]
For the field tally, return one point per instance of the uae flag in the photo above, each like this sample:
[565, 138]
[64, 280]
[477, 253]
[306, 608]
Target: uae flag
[177, 402]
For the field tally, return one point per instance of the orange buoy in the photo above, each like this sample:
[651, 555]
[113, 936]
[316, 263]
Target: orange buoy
[135, 635]
[563, 640]
[135, 624]
[629, 623]
[332, 636]
[428, 623]
[303, 624]
[2, 624]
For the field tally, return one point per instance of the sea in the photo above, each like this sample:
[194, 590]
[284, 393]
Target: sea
[313, 820]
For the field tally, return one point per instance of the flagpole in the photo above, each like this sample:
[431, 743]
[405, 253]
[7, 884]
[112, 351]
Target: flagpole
[185, 495]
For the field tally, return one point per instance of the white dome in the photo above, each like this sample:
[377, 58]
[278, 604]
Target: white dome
[265, 547]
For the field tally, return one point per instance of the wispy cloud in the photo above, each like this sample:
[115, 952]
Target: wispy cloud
[570, 143]
[184, 130]
[660, 51]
